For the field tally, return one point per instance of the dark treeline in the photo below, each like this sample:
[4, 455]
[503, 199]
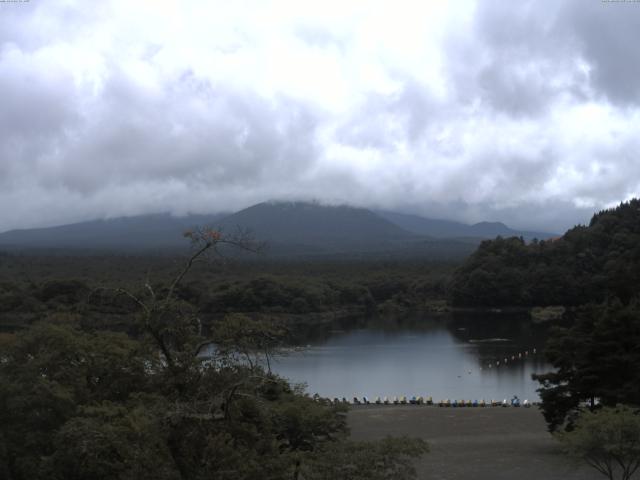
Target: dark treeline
[588, 264]
[596, 362]
[39, 287]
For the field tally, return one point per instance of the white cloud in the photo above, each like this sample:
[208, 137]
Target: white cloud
[468, 110]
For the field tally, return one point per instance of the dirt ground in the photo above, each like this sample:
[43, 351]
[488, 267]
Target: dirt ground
[473, 443]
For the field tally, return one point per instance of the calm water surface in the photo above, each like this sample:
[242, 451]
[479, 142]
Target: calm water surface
[443, 358]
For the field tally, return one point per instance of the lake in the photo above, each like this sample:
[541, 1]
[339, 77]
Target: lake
[452, 356]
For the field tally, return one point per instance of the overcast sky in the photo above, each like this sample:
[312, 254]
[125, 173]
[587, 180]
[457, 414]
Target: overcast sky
[525, 112]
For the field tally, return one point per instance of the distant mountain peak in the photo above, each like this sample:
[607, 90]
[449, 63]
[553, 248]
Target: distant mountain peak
[490, 224]
[451, 229]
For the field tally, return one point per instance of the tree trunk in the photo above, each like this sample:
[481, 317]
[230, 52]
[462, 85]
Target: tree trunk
[296, 471]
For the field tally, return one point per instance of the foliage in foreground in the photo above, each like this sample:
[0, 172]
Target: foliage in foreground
[77, 403]
[596, 361]
[608, 440]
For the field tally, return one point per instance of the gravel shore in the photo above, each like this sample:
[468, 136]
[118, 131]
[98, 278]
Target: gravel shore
[473, 443]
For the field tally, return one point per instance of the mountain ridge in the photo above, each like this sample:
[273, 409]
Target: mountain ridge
[441, 228]
[288, 228]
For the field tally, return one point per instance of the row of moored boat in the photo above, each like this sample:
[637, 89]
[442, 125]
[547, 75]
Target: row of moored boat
[403, 400]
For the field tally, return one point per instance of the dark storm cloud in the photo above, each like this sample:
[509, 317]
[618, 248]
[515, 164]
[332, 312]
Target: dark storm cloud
[585, 45]
[607, 36]
[517, 61]
[189, 131]
[204, 138]
[35, 111]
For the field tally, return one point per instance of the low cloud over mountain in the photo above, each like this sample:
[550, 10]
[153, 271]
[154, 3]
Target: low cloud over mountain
[526, 113]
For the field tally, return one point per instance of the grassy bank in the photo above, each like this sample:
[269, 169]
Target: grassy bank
[473, 443]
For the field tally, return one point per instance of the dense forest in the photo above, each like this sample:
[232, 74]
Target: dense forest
[587, 264]
[78, 400]
[34, 287]
[596, 362]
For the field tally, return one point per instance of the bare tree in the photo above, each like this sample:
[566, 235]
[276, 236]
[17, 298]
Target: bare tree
[172, 324]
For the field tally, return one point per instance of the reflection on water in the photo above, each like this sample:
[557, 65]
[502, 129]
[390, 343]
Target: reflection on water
[443, 358]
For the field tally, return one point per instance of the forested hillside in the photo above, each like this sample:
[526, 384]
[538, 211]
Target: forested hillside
[587, 264]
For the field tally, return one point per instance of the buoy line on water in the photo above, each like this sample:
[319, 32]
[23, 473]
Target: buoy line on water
[513, 358]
